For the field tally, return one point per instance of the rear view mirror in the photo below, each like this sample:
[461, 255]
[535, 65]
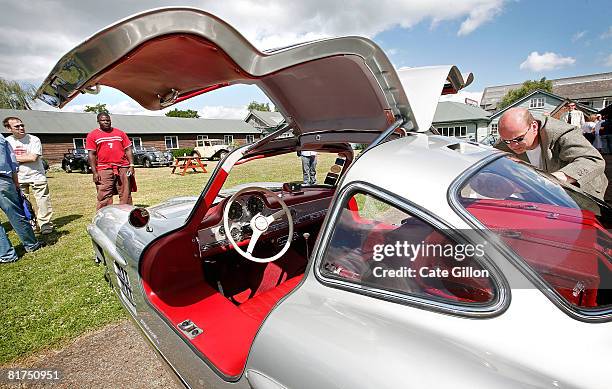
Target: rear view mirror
[139, 217]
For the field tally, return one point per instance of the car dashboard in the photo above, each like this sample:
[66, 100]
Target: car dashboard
[307, 206]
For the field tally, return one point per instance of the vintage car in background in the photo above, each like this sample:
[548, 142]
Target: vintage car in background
[151, 156]
[211, 149]
[425, 262]
[76, 160]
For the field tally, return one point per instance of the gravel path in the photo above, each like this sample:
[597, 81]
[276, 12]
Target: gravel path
[116, 356]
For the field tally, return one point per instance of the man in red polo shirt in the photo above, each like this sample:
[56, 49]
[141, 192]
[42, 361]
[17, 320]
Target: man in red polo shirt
[111, 160]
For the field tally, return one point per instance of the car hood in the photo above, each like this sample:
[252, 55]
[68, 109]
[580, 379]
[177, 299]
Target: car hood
[164, 56]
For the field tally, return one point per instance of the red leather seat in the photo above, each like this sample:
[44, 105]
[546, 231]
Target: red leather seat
[259, 306]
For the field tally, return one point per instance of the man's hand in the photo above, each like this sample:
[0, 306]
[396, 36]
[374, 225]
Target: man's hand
[27, 157]
[96, 177]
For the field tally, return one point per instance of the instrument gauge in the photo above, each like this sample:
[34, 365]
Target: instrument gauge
[255, 205]
[236, 234]
[235, 211]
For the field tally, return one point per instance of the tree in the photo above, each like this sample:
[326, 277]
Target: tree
[255, 106]
[14, 95]
[182, 113]
[525, 89]
[98, 108]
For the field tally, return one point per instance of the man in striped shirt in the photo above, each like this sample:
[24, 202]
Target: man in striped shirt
[111, 160]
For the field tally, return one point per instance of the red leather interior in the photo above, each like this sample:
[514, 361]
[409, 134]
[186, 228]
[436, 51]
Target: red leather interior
[258, 307]
[369, 233]
[563, 245]
[229, 330]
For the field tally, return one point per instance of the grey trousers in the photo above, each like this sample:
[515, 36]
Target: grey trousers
[309, 169]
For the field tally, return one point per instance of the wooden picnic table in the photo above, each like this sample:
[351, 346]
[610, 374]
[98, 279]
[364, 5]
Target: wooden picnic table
[189, 162]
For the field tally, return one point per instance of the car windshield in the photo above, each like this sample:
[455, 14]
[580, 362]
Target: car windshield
[275, 170]
[557, 230]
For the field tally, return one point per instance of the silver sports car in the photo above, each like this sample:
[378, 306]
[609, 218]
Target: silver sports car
[424, 262]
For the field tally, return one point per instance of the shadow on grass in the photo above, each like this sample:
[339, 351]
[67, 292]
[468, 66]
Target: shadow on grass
[58, 223]
[48, 239]
[64, 220]
[52, 238]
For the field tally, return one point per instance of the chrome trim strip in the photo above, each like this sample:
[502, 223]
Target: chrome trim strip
[453, 199]
[399, 122]
[501, 288]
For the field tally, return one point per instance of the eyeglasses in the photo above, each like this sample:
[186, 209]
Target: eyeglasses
[19, 126]
[516, 140]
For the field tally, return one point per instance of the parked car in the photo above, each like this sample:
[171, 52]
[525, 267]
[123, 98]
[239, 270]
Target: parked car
[76, 160]
[151, 156]
[429, 261]
[211, 149]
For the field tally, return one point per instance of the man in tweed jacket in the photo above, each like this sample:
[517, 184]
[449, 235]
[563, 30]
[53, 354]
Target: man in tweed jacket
[555, 147]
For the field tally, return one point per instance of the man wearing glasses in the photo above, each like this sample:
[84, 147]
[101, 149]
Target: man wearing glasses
[555, 147]
[32, 175]
[11, 205]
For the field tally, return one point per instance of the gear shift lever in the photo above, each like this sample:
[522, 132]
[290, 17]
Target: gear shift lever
[306, 235]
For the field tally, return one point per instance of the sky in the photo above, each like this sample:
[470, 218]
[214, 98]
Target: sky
[499, 41]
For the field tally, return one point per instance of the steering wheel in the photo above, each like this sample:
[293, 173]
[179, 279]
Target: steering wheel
[259, 224]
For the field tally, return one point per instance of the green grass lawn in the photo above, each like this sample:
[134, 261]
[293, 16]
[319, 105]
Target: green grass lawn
[57, 293]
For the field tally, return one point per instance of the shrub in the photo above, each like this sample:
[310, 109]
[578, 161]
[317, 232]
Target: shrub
[182, 151]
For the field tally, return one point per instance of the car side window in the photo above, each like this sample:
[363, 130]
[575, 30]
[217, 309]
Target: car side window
[378, 245]
[558, 232]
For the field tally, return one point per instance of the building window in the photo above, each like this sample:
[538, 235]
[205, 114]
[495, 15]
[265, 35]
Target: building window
[370, 246]
[136, 143]
[79, 143]
[493, 128]
[457, 131]
[588, 103]
[250, 138]
[171, 142]
[200, 140]
[228, 139]
[537, 102]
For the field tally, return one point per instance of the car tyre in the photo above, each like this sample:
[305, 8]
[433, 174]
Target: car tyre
[222, 155]
[66, 167]
[84, 168]
[147, 163]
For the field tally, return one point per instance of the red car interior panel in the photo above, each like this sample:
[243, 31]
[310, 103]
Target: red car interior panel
[228, 329]
[559, 243]
[173, 281]
[151, 69]
[258, 307]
